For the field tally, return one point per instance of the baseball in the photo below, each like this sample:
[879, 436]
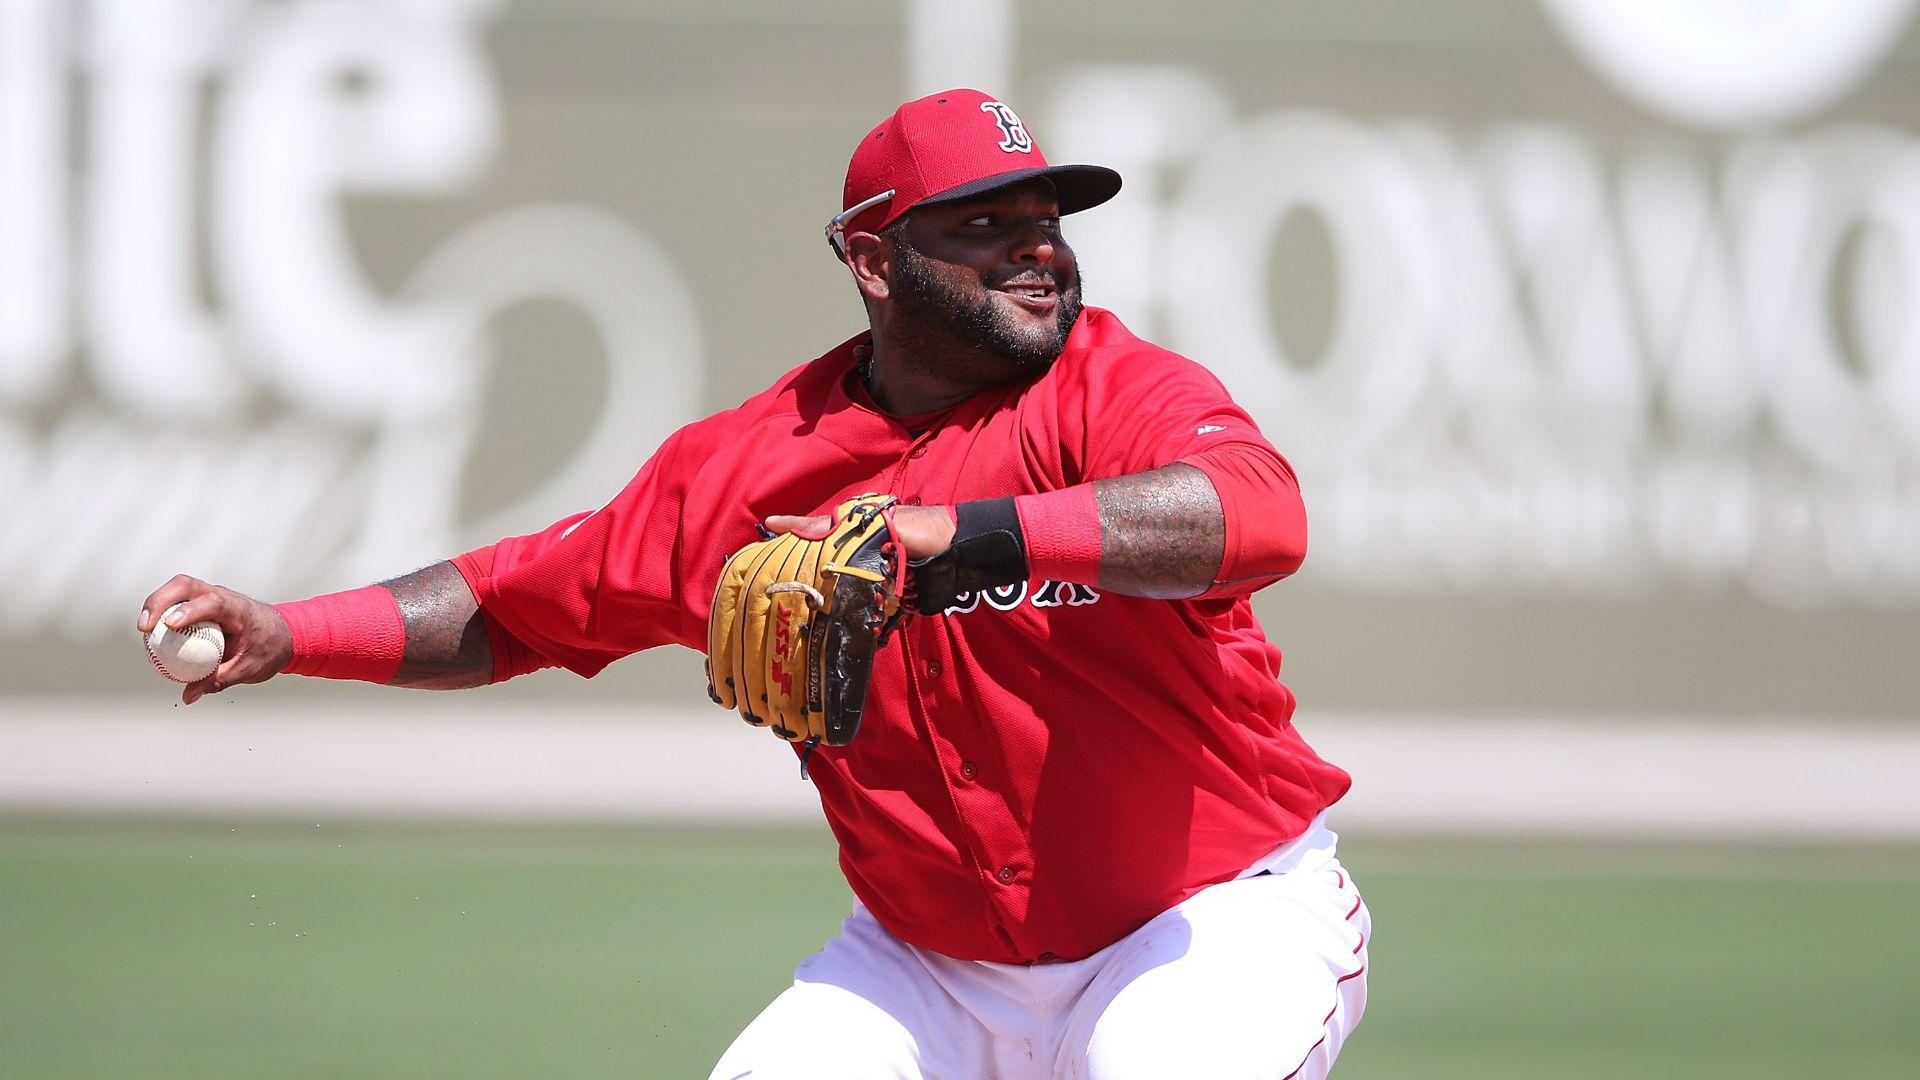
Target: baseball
[188, 654]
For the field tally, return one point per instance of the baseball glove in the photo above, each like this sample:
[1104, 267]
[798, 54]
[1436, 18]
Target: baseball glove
[795, 624]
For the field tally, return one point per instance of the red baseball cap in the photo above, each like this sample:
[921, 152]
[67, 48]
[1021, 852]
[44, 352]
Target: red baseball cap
[952, 145]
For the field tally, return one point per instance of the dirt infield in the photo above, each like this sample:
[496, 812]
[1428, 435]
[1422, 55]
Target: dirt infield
[446, 759]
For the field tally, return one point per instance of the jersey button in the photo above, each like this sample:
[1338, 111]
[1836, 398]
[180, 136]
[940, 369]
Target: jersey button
[933, 667]
[1006, 875]
[968, 770]
[918, 451]
[913, 500]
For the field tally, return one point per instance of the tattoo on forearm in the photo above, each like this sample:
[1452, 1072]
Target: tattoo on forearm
[1162, 533]
[446, 638]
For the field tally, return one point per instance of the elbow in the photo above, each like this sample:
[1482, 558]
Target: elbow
[1272, 538]
[1265, 519]
[1266, 537]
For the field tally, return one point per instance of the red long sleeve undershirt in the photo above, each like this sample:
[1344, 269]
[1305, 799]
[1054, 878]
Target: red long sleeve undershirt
[1266, 520]
[511, 656]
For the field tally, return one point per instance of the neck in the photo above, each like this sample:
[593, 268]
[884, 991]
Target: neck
[904, 392]
[910, 377]
[916, 368]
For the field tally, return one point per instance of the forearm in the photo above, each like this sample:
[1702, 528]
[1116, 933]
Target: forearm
[1222, 523]
[1158, 534]
[1162, 533]
[446, 638]
[422, 630]
[1225, 521]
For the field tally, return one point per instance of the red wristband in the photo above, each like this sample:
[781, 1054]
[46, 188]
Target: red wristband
[346, 635]
[1062, 533]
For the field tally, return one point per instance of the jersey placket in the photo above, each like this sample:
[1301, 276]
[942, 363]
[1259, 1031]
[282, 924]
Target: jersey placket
[960, 744]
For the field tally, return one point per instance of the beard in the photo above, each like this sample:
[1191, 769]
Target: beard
[975, 322]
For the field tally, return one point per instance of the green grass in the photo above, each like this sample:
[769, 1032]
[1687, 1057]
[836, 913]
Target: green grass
[188, 951]
[1600, 964]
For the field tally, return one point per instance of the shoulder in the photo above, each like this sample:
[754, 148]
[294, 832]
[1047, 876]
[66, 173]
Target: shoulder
[808, 387]
[805, 390]
[1122, 403]
[1105, 360]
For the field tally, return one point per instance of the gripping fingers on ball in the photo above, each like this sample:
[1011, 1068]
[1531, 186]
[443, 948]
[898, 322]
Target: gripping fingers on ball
[205, 606]
[178, 589]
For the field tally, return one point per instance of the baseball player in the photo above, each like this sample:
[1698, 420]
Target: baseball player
[987, 565]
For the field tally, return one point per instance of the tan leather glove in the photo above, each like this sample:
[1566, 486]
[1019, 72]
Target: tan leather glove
[795, 624]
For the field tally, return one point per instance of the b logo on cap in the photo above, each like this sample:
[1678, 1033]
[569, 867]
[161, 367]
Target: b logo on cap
[1013, 134]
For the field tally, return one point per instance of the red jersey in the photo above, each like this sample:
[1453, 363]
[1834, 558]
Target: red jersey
[1039, 771]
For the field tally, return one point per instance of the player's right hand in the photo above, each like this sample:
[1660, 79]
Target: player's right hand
[259, 644]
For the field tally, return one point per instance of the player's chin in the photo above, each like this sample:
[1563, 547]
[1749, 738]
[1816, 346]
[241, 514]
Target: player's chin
[1033, 352]
[1051, 312]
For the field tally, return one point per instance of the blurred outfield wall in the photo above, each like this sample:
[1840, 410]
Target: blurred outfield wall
[1590, 328]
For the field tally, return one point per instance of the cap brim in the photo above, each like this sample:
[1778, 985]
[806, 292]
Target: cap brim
[1080, 187]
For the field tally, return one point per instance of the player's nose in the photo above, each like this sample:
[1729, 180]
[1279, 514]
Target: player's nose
[1033, 244]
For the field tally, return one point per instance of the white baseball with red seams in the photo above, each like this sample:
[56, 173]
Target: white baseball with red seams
[188, 654]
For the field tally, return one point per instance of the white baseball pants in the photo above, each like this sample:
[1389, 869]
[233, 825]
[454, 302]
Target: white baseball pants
[1260, 977]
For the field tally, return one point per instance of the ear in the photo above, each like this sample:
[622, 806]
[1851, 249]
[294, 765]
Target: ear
[871, 260]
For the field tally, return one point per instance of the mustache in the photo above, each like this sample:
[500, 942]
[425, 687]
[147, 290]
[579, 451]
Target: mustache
[1033, 276]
